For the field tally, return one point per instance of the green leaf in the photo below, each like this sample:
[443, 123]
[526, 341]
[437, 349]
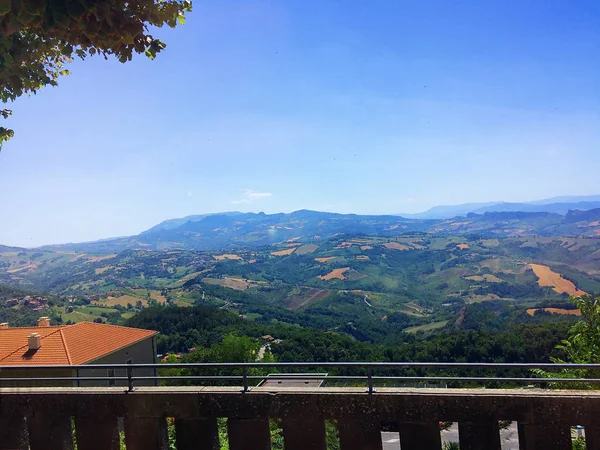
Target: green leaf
[75, 9]
[35, 7]
[5, 7]
[6, 60]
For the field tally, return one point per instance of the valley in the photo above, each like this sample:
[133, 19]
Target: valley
[362, 285]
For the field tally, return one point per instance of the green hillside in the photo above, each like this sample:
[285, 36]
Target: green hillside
[361, 285]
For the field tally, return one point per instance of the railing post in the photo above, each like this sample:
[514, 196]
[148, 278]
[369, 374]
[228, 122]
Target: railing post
[130, 376]
[370, 388]
[94, 432]
[13, 432]
[145, 433]
[304, 433]
[248, 434]
[480, 435]
[193, 434]
[359, 434]
[420, 436]
[592, 435]
[542, 436]
[50, 430]
[245, 379]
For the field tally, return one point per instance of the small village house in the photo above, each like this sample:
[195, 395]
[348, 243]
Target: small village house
[74, 345]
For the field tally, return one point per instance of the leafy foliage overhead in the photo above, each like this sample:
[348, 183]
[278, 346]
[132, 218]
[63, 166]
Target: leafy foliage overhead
[38, 37]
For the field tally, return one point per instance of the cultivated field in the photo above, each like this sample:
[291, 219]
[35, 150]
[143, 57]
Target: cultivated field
[227, 256]
[548, 278]
[93, 259]
[306, 249]
[239, 284]
[485, 277]
[427, 327]
[325, 259]
[123, 300]
[396, 246]
[570, 312]
[289, 251]
[335, 274]
[305, 297]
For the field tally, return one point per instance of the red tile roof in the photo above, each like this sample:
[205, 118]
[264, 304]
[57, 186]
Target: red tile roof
[81, 343]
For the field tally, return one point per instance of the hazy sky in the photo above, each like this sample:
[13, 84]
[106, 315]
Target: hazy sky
[347, 106]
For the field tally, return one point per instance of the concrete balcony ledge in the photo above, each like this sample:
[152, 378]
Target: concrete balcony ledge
[42, 418]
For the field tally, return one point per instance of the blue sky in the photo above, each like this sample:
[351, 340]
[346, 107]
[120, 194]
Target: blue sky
[365, 107]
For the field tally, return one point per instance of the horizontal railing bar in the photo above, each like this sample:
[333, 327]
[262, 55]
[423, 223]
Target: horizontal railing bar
[2, 379]
[310, 364]
[363, 378]
[319, 378]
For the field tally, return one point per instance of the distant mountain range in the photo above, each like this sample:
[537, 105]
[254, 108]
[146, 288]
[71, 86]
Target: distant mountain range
[559, 205]
[235, 230]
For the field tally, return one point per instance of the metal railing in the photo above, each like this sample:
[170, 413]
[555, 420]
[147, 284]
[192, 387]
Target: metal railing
[368, 379]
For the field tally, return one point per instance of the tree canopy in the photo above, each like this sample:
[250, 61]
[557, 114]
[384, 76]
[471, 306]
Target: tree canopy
[582, 346]
[38, 37]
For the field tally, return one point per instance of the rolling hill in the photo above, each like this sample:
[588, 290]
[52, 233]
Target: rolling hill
[232, 230]
[359, 284]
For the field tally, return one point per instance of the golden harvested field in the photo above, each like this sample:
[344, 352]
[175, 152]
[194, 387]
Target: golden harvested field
[548, 278]
[569, 312]
[238, 284]
[418, 308]
[363, 258]
[490, 242]
[155, 295]
[297, 244]
[306, 297]
[463, 246]
[325, 259]
[335, 274]
[227, 256]
[289, 251]
[396, 246]
[485, 277]
[189, 276]
[306, 249]
[22, 268]
[366, 247]
[484, 298]
[345, 245]
[122, 300]
[93, 259]
[252, 261]
[102, 270]
[426, 327]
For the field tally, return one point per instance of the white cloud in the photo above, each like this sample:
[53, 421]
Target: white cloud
[248, 196]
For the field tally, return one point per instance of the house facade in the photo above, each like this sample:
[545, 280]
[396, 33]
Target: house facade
[80, 344]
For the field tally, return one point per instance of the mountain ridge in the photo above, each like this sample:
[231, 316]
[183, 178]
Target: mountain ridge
[559, 205]
[234, 230]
